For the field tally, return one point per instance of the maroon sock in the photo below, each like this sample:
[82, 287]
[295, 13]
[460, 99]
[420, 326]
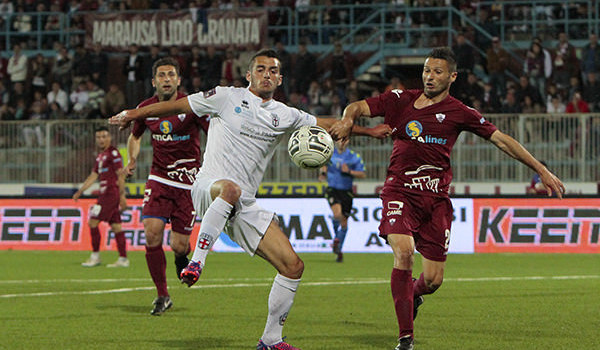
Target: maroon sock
[420, 287]
[95, 233]
[157, 265]
[402, 292]
[121, 244]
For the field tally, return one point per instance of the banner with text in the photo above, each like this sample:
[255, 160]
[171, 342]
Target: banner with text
[117, 31]
[537, 225]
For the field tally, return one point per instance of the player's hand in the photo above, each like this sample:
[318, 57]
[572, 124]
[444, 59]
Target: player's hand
[76, 196]
[130, 168]
[381, 131]
[552, 183]
[341, 129]
[123, 119]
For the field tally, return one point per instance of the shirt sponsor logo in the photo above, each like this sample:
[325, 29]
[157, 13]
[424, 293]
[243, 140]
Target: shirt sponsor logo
[166, 127]
[159, 137]
[394, 208]
[238, 109]
[414, 130]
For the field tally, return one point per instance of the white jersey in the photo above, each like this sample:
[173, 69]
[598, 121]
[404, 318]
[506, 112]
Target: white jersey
[243, 133]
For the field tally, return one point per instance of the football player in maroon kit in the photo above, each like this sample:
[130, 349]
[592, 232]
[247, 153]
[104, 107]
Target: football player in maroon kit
[112, 196]
[176, 159]
[417, 212]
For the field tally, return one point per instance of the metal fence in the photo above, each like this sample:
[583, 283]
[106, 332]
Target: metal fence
[64, 151]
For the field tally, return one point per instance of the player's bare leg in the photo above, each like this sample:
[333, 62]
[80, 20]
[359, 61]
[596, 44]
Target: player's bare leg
[403, 247]
[122, 261]
[275, 248]
[225, 194]
[180, 244]
[94, 259]
[430, 280]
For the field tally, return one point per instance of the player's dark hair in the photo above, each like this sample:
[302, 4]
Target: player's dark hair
[266, 53]
[444, 53]
[165, 61]
[101, 128]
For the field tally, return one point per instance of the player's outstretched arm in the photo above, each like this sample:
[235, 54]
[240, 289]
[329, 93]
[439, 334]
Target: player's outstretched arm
[514, 149]
[133, 150]
[86, 184]
[342, 128]
[161, 109]
[380, 131]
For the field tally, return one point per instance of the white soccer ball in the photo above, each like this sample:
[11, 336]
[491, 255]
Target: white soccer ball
[310, 147]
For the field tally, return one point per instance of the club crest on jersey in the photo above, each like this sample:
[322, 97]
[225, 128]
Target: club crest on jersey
[166, 127]
[274, 119]
[181, 116]
[440, 117]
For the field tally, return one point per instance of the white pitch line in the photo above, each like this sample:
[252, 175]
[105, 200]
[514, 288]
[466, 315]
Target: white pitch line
[347, 281]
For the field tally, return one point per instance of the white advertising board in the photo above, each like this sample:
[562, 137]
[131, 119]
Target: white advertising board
[307, 222]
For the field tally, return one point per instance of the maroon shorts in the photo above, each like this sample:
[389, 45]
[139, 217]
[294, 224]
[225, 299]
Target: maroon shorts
[170, 204]
[107, 209]
[427, 219]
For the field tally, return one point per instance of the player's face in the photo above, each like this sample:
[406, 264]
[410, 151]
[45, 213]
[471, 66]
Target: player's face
[103, 139]
[265, 76]
[437, 77]
[166, 81]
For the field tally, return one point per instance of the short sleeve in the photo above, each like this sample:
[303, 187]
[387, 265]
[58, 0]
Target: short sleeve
[301, 118]
[139, 126]
[477, 124]
[209, 102]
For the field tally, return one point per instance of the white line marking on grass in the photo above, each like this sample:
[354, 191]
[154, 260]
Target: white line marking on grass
[325, 282]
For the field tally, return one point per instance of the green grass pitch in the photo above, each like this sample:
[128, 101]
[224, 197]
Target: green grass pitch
[502, 301]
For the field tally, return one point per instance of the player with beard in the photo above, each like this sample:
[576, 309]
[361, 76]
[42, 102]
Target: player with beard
[175, 163]
[417, 212]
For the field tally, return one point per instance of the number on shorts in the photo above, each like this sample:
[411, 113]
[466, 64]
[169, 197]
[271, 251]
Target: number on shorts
[147, 193]
[447, 243]
[193, 220]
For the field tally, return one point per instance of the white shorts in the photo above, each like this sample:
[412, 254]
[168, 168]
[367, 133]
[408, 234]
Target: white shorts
[249, 222]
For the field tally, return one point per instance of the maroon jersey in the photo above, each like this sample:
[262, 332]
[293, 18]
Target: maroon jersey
[423, 139]
[176, 145]
[107, 164]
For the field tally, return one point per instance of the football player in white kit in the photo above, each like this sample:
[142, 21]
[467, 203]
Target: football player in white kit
[246, 125]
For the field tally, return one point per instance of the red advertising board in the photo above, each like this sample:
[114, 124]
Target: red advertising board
[536, 225]
[61, 224]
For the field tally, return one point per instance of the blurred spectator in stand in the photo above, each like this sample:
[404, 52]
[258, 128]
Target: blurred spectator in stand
[98, 63]
[212, 68]
[53, 24]
[194, 64]
[314, 98]
[147, 63]
[490, 25]
[341, 66]
[61, 70]
[229, 67]
[327, 93]
[39, 73]
[577, 104]
[59, 96]
[490, 102]
[22, 22]
[497, 63]
[510, 104]
[114, 101]
[18, 93]
[395, 84]
[244, 56]
[95, 100]
[33, 133]
[181, 59]
[55, 112]
[537, 187]
[555, 104]
[591, 92]
[17, 66]
[3, 74]
[4, 99]
[286, 63]
[79, 99]
[6, 9]
[590, 57]
[530, 107]
[566, 64]
[526, 89]
[465, 60]
[81, 65]
[471, 91]
[336, 108]
[196, 85]
[535, 68]
[574, 86]
[132, 69]
[304, 69]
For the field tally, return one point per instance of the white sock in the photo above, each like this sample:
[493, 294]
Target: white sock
[212, 224]
[95, 256]
[281, 299]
